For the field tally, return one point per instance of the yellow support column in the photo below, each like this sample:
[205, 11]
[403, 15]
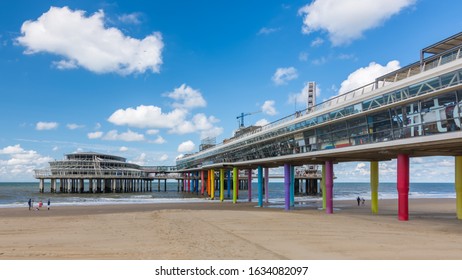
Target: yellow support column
[323, 187]
[212, 184]
[235, 184]
[222, 184]
[458, 184]
[374, 187]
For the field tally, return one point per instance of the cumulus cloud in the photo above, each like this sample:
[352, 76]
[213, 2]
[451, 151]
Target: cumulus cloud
[133, 18]
[186, 147]
[73, 126]
[268, 108]
[163, 157]
[367, 75]
[262, 122]
[347, 20]
[128, 136]
[17, 163]
[317, 42]
[85, 41]
[123, 149]
[140, 160]
[46, 125]
[187, 97]
[95, 135]
[152, 131]
[148, 117]
[283, 75]
[159, 140]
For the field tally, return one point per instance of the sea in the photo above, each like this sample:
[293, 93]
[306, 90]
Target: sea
[17, 194]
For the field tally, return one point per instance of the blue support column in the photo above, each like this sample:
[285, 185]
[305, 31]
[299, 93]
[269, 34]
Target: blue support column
[228, 175]
[260, 186]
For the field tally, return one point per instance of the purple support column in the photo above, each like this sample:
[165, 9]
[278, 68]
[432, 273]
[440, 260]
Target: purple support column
[266, 184]
[249, 180]
[287, 186]
[329, 187]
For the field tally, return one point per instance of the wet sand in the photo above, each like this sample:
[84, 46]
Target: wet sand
[214, 230]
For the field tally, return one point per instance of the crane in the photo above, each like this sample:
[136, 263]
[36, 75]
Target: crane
[242, 115]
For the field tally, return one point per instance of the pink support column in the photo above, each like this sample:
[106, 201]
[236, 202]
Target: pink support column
[249, 180]
[189, 181]
[403, 187]
[329, 186]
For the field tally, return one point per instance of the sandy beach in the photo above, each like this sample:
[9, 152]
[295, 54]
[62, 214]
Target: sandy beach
[232, 231]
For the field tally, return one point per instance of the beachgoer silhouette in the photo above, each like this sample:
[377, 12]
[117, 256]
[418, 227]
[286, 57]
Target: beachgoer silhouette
[48, 204]
[30, 203]
[363, 201]
[358, 200]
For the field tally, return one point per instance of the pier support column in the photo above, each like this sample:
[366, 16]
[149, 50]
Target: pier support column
[329, 186]
[292, 186]
[458, 185]
[403, 187]
[249, 184]
[374, 187]
[260, 186]
[222, 184]
[202, 182]
[53, 186]
[42, 185]
[212, 184]
[323, 187]
[287, 186]
[235, 183]
[228, 182]
[266, 184]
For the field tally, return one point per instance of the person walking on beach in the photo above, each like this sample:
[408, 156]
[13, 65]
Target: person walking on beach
[363, 201]
[48, 204]
[30, 203]
[358, 200]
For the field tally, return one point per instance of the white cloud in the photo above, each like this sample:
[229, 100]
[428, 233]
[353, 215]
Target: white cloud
[19, 164]
[186, 147]
[133, 18]
[187, 97]
[46, 125]
[163, 157]
[73, 126]
[152, 131]
[266, 30]
[86, 42]
[347, 20]
[199, 123]
[303, 56]
[95, 135]
[123, 149]
[148, 117]
[268, 108]
[317, 42]
[367, 75]
[140, 160]
[262, 122]
[283, 75]
[159, 140]
[128, 136]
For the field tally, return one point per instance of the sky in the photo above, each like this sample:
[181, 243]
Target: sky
[148, 80]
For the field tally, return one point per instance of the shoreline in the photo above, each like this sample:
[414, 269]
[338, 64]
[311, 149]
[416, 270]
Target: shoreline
[206, 230]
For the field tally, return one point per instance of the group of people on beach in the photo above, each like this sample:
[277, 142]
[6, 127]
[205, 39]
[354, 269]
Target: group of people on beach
[39, 204]
[361, 200]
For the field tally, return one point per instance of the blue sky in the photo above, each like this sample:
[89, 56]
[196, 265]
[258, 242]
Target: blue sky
[147, 80]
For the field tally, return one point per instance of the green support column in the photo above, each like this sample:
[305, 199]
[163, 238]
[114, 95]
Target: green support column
[458, 184]
[374, 187]
[235, 184]
[212, 184]
[222, 184]
[323, 187]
